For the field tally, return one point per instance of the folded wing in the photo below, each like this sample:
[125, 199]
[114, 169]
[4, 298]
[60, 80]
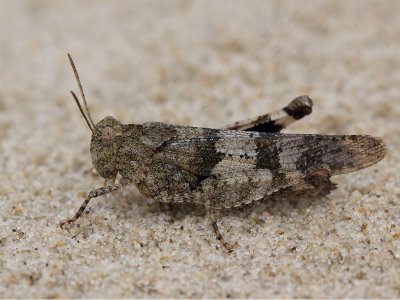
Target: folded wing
[220, 151]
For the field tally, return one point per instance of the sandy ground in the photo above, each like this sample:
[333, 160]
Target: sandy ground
[202, 63]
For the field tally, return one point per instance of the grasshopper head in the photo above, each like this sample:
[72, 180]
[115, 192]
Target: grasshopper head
[104, 145]
[106, 136]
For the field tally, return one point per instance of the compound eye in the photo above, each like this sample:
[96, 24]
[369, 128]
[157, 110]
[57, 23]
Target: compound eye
[108, 134]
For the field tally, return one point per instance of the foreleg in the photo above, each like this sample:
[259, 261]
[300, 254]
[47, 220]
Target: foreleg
[93, 194]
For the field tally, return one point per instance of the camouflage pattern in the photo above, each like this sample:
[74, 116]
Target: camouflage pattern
[224, 168]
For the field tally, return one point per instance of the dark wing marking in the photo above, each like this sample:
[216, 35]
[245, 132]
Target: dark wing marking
[340, 153]
[224, 151]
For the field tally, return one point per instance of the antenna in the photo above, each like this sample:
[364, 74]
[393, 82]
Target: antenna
[83, 114]
[87, 116]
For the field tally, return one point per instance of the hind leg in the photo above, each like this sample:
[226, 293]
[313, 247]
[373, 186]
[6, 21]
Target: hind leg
[316, 183]
[277, 120]
[320, 180]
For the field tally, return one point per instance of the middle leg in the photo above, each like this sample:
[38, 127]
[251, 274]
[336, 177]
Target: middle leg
[211, 217]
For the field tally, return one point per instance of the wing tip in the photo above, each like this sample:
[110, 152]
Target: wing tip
[365, 151]
[380, 148]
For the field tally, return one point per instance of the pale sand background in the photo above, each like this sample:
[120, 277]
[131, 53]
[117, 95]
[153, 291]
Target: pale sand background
[204, 63]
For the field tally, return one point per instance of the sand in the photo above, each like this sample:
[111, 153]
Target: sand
[201, 63]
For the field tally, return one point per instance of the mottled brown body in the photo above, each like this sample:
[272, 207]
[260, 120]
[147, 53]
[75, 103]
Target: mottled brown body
[225, 168]
[228, 168]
